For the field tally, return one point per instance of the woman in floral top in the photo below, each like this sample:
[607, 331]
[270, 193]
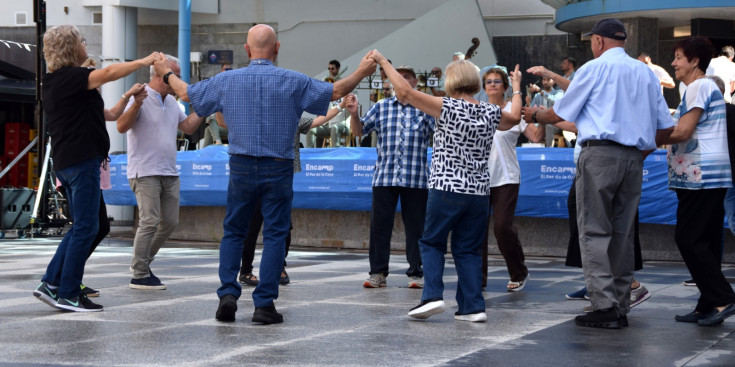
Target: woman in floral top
[459, 183]
[699, 173]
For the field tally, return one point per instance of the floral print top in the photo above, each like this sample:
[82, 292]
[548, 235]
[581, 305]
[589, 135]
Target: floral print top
[702, 162]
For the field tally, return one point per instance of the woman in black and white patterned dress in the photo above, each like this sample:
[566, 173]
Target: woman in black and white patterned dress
[459, 183]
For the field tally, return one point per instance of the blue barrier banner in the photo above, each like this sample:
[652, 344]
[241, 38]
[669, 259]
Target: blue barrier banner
[341, 179]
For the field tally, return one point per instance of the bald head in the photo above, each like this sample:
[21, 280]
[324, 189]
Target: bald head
[262, 42]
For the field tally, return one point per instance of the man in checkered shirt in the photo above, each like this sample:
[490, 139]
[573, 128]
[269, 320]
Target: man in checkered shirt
[401, 172]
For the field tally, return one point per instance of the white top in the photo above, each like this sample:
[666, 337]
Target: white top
[725, 69]
[661, 74]
[152, 139]
[503, 164]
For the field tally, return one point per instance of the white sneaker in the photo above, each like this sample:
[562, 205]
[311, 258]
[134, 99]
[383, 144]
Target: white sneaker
[427, 308]
[471, 317]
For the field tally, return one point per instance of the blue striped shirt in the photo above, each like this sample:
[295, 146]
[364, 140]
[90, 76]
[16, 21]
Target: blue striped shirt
[404, 134]
[703, 161]
[262, 105]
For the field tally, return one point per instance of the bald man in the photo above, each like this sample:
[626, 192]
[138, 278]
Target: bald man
[262, 105]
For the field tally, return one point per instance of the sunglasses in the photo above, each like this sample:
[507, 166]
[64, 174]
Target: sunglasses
[493, 81]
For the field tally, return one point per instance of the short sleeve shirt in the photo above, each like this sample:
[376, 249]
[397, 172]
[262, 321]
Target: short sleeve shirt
[703, 161]
[462, 143]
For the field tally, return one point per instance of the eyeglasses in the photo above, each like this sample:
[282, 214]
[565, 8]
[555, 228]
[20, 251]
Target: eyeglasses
[493, 81]
[387, 89]
[84, 41]
[331, 68]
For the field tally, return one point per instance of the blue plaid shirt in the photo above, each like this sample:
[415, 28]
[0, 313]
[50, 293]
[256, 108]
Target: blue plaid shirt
[404, 134]
[262, 105]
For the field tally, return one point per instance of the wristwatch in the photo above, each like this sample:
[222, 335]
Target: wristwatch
[165, 76]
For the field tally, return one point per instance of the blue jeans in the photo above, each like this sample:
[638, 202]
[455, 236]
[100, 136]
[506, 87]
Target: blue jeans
[465, 216]
[271, 180]
[82, 184]
[730, 209]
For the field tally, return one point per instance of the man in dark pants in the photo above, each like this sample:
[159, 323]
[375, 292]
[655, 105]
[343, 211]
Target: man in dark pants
[401, 172]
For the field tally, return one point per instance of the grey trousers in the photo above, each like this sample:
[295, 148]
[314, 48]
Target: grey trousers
[158, 215]
[608, 191]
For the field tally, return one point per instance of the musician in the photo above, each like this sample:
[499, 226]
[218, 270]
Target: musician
[334, 73]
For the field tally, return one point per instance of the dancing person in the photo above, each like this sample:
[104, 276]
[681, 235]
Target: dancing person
[459, 183]
[79, 144]
[261, 105]
[401, 173]
[505, 179]
[699, 173]
[617, 107]
[152, 170]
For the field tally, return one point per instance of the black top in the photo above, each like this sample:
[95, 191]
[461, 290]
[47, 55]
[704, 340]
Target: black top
[76, 120]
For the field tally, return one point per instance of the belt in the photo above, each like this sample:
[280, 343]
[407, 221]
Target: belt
[266, 158]
[597, 143]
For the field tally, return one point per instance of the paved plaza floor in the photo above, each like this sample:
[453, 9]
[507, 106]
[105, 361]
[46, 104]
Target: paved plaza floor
[331, 320]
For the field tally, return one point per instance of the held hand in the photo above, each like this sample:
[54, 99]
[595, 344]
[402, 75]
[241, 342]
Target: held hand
[150, 59]
[527, 113]
[352, 105]
[367, 64]
[140, 96]
[377, 56]
[534, 88]
[161, 66]
[135, 89]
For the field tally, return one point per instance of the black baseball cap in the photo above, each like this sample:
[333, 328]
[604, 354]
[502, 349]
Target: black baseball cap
[610, 28]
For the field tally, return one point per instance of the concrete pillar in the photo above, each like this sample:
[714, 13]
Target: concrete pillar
[642, 36]
[119, 42]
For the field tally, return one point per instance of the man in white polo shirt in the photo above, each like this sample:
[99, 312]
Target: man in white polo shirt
[152, 126]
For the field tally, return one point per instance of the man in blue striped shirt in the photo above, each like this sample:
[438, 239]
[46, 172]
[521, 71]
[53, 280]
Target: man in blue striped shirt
[404, 134]
[262, 105]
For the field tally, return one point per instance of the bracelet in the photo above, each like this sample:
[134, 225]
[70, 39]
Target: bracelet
[517, 92]
[125, 98]
[339, 109]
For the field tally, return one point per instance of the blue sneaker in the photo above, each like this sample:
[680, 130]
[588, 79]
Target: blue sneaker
[47, 295]
[149, 282]
[579, 295]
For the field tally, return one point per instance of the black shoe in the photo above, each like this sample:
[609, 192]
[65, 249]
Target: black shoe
[607, 319]
[249, 279]
[47, 295]
[624, 321]
[693, 316]
[227, 308]
[717, 317]
[79, 303]
[284, 278]
[89, 292]
[267, 315]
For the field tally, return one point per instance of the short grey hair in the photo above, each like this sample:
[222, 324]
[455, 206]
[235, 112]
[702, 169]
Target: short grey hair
[720, 83]
[169, 58]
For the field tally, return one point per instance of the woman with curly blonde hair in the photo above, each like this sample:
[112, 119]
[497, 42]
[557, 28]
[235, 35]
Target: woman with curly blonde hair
[79, 143]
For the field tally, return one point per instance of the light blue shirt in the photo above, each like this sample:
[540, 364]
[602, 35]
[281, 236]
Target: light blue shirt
[615, 97]
[262, 105]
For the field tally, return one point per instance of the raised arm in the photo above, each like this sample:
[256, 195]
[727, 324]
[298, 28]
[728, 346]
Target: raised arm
[349, 83]
[190, 124]
[137, 91]
[117, 71]
[179, 86]
[561, 81]
[509, 119]
[406, 95]
[332, 112]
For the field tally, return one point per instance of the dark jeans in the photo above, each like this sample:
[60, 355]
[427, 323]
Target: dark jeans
[248, 250]
[271, 180]
[465, 216]
[503, 200]
[698, 236]
[104, 226]
[82, 184]
[413, 212]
